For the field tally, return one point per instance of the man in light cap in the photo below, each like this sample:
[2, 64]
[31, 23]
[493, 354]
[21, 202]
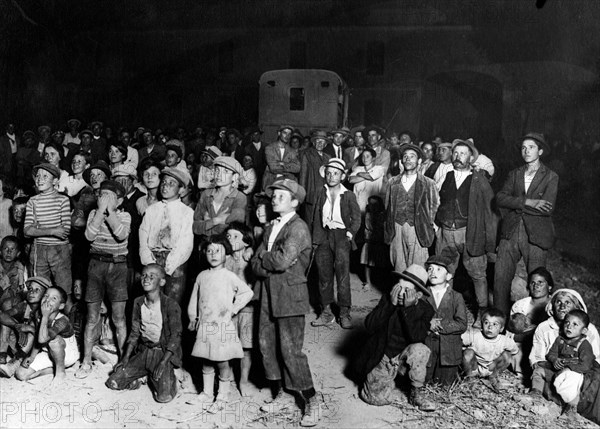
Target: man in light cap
[107, 231]
[282, 159]
[281, 262]
[467, 226]
[336, 221]
[166, 236]
[224, 203]
[411, 203]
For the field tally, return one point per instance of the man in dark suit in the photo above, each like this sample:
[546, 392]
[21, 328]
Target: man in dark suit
[335, 223]
[281, 261]
[256, 149]
[526, 202]
[335, 149]
[352, 153]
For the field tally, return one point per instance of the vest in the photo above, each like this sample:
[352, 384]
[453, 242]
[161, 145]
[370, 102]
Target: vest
[454, 203]
[404, 212]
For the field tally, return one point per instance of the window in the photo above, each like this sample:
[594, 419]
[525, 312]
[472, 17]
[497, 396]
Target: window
[373, 111]
[296, 98]
[298, 55]
[226, 56]
[375, 58]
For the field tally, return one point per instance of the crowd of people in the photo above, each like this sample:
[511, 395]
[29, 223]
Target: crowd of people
[137, 228]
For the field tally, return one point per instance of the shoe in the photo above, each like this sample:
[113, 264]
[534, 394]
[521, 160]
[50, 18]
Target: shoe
[418, 399]
[312, 413]
[279, 402]
[3, 357]
[325, 319]
[346, 320]
[569, 411]
[85, 369]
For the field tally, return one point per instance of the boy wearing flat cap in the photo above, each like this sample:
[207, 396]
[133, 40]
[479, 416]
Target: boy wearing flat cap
[398, 327]
[107, 229]
[336, 222]
[48, 221]
[281, 262]
[448, 323]
[166, 236]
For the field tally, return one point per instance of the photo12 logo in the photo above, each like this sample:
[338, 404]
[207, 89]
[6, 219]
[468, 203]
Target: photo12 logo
[53, 412]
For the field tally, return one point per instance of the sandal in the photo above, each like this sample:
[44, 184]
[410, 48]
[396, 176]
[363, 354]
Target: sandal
[84, 370]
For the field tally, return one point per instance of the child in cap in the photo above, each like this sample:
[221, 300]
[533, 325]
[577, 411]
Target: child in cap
[12, 271]
[569, 359]
[154, 345]
[447, 325]
[488, 352]
[166, 236]
[17, 323]
[107, 230]
[48, 220]
[218, 295]
[398, 327]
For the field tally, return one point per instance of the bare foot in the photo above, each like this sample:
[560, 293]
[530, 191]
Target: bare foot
[245, 388]
[59, 381]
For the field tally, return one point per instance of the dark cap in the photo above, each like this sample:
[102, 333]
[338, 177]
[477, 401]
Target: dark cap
[52, 169]
[175, 148]
[114, 186]
[403, 148]
[379, 130]
[42, 281]
[539, 139]
[440, 260]
[290, 185]
[319, 134]
[100, 165]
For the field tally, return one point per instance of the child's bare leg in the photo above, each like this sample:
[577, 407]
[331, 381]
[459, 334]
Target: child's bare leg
[501, 363]
[90, 337]
[56, 350]
[118, 318]
[245, 365]
[24, 374]
[469, 363]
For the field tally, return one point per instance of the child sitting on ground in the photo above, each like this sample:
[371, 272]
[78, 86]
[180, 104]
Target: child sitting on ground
[55, 347]
[447, 325]
[240, 238]
[569, 358]
[17, 323]
[156, 339]
[489, 352]
[217, 296]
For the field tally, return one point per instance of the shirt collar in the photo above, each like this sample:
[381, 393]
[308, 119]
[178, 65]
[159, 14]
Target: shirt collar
[285, 218]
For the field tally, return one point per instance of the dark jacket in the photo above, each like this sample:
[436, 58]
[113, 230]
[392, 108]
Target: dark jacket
[481, 223]
[287, 166]
[350, 212]
[511, 202]
[330, 150]
[426, 205]
[283, 269]
[258, 158]
[415, 323]
[453, 312]
[7, 160]
[170, 336]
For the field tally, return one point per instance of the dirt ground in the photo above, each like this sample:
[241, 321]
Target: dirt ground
[88, 403]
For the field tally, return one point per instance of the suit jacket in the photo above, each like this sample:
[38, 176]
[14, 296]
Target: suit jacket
[170, 336]
[289, 169]
[511, 202]
[349, 158]
[426, 205]
[158, 152]
[453, 312]
[7, 160]
[481, 222]
[350, 212]
[310, 178]
[330, 150]
[258, 158]
[283, 269]
[415, 321]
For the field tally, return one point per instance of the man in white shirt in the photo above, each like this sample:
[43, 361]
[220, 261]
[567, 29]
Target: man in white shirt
[73, 135]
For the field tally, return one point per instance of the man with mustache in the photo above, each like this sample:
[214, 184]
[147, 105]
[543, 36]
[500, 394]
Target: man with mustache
[465, 220]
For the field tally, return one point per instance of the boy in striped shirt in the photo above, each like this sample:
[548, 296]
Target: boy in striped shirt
[107, 229]
[48, 221]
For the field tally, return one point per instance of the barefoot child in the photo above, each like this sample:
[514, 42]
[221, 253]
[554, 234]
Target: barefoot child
[447, 325]
[155, 337]
[374, 253]
[17, 322]
[218, 295]
[489, 352]
[56, 346]
[240, 238]
[569, 358]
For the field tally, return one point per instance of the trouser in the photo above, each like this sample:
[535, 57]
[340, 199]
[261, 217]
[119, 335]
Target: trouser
[567, 383]
[405, 248]
[283, 337]
[176, 282]
[380, 381]
[144, 362]
[509, 253]
[444, 374]
[453, 244]
[54, 263]
[333, 256]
